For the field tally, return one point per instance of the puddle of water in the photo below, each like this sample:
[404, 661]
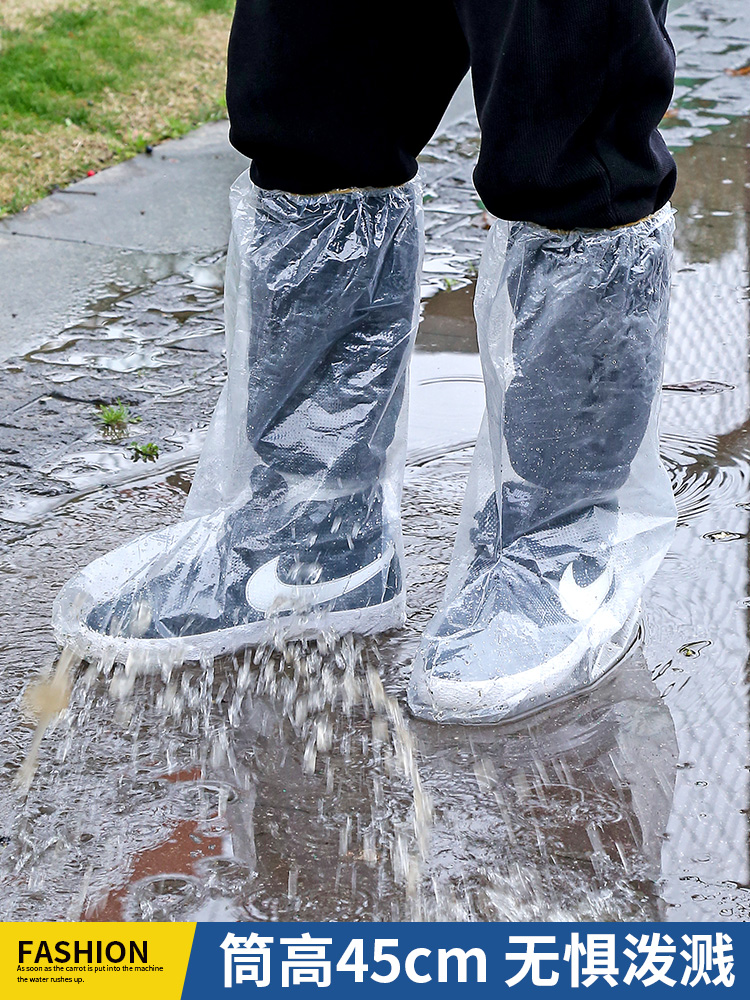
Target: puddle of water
[713, 46]
[288, 784]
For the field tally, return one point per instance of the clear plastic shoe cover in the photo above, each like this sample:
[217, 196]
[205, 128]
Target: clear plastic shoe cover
[569, 510]
[294, 511]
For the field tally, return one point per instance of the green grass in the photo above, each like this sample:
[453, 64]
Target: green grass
[115, 418]
[54, 74]
[83, 87]
[144, 452]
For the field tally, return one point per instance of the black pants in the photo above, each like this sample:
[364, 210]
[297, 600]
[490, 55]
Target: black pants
[327, 94]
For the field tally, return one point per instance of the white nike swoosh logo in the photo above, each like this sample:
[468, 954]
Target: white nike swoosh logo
[266, 592]
[580, 603]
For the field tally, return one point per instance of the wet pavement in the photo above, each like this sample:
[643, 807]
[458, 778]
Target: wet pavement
[290, 783]
[113, 233]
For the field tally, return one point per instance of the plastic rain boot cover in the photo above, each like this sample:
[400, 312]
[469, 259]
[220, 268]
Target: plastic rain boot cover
[295, 506]
[568, 511]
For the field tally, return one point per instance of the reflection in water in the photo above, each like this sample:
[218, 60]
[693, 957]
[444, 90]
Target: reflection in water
[562, 818]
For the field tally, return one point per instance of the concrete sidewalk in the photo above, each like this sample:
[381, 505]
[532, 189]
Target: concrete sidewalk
[122, 229]
[119, 230]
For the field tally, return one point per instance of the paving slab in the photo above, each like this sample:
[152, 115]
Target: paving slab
[118, 230]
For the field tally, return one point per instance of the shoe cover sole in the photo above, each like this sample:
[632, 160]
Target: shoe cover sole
[485, 703]
[153, 653]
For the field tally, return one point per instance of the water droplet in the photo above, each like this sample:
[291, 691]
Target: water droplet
[701, 387]
[694, 648]
[723, 536]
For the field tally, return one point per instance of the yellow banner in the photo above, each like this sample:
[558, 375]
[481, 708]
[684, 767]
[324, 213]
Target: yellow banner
[84, 960]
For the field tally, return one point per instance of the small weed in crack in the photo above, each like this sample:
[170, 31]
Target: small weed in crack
[148, 452]
[115, 418]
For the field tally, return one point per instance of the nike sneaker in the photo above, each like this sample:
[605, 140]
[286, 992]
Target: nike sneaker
[213, 584]
[550, 616]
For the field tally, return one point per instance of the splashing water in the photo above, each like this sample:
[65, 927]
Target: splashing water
[342, 742]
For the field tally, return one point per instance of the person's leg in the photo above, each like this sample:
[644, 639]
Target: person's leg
[294, 510]
[568, 511]
[569, 97]
[324, 96]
